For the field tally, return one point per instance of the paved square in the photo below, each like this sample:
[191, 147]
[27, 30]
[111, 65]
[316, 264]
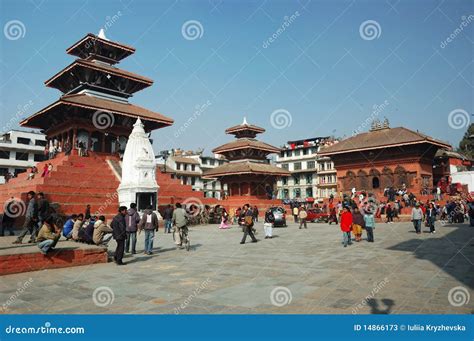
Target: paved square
[298, 271]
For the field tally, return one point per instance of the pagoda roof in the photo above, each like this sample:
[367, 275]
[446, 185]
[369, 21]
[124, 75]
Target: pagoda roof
[84, 101]
[244, 127]
[381, 138]
[101, 67]
[245, 143]
[83, 48]
[183, 159]
[245, 167]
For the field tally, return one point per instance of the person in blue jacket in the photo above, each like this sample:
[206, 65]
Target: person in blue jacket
[67, 228]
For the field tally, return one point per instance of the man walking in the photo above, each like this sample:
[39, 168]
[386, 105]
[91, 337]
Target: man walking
[43, 209]
[31, 220]
[120, 234]
[149, 223]
[168, 217]
[416, 217]
[295, 213]
[179, 221]
[131, 220]
[302, 215]
[248, 225]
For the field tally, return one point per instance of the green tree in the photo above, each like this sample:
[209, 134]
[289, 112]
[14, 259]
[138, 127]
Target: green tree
[466, 146]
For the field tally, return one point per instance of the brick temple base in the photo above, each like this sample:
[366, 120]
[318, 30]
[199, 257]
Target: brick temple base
[27, 257]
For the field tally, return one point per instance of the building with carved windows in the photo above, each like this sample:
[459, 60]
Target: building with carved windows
[385, 157]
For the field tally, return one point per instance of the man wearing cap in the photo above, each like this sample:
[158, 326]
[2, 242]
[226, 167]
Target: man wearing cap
[417, 217]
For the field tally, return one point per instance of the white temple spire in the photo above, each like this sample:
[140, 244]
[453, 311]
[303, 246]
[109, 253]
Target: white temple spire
[102, 34]
[244, 123]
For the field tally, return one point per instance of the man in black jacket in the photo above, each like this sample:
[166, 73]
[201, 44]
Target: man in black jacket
[119, 233]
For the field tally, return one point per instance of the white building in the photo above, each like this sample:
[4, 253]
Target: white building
[20, 150]
[311, 177]
[189, 167]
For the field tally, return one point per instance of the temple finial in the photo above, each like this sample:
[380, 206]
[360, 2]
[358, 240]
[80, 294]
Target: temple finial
[102, 34]
[244, 123]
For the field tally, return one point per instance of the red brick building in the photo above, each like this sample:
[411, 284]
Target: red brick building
[385, 157]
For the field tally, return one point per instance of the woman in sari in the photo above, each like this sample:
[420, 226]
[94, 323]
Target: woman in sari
[224, 219]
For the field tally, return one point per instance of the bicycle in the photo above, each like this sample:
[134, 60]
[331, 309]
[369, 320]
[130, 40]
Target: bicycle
[184, 237]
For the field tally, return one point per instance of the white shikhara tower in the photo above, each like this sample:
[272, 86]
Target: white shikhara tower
[138, 171]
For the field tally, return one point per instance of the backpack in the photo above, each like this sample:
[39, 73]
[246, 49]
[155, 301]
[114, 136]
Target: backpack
[248, 220]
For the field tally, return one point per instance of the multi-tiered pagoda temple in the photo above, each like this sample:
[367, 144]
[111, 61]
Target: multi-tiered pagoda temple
[94, 107]
[248, 174]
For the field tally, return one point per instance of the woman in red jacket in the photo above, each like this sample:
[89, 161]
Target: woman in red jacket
[346, 224]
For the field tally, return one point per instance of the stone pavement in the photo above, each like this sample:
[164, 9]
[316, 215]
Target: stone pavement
[298, 271]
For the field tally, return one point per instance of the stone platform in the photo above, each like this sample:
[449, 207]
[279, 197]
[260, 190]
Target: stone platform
[27, 257]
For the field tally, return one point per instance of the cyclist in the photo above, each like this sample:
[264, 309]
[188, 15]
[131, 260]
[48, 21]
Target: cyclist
[180, 222]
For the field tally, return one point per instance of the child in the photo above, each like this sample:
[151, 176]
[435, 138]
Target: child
[369, 225]
[346, 225]
[268, 224]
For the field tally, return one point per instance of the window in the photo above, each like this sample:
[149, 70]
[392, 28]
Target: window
[22, 140]
[309, 178]
[284, 166]
[41, 143]
[193, 180]
[282, 153]
[305, 151]
[296, 179]
[4, 154]
[321, 166]
[39, 157]
[212, 162]
[297, 152]
[21, 156]
[19, 171]
[297, 166]
[178, 166]
[193, 168]
[3, 171]
[284, 180]
[297, 192]
[310, 164]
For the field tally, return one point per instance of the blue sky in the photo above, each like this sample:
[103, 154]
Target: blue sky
[319, 73]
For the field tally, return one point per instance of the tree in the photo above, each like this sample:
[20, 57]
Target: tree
[466, 146]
